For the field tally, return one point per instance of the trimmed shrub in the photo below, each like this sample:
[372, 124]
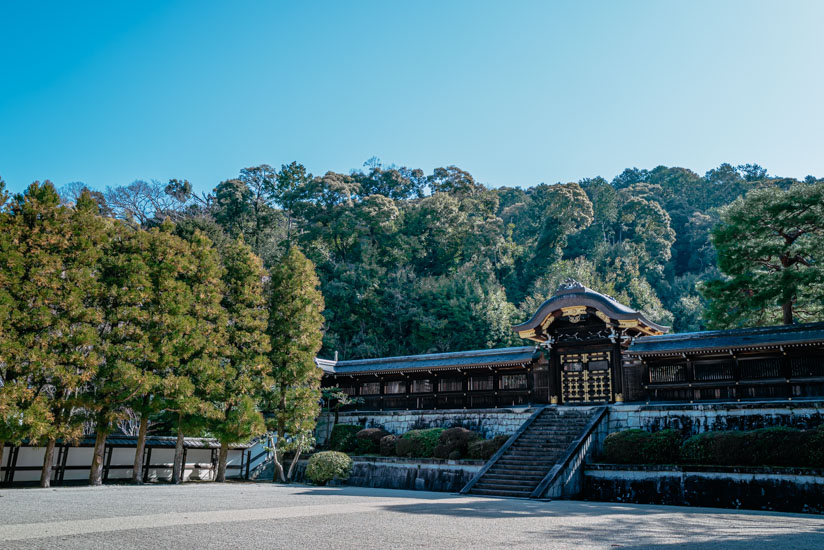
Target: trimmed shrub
[454, 443]
[388, 443]
[485, 448]
[641, 447]
[815, 447]
[418, 443]
[328, 465]
[625, 447]
[368, 441]
[764, 447]
[343, 437]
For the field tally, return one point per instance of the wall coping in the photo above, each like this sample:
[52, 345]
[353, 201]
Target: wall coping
[701, 468]
[816, 403]
[416, 461]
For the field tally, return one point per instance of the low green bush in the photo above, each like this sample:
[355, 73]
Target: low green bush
[776, 446]
[485, 448]
[328, 465]
[454, 443]
[368, 441]
[343, 438]
[418, 443]
[388, 443]
[763, 447]
[815, 447]
[641, 447]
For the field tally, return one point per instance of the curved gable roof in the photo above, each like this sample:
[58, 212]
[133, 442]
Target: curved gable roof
[573, 295]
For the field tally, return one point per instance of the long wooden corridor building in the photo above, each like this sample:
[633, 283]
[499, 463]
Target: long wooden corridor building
[586, 347]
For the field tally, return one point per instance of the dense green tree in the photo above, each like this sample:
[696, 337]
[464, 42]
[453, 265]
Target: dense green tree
[53, 286]
[126, 293]
[243, 367]
[286, 191]
[770, 248]
[23, 412]
[294, 330]
[203, 340]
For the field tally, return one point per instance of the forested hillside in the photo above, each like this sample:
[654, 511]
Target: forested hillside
[417, 263]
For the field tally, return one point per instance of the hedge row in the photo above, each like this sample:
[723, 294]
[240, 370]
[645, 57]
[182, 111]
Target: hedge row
[452, 443]
[764, 447]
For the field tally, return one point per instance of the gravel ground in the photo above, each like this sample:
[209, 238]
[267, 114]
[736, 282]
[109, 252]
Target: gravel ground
[249, 515]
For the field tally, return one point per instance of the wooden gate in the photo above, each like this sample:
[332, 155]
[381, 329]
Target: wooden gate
[586, 378]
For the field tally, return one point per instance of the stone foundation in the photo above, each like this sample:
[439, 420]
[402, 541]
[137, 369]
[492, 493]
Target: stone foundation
[694, 418]
[487, 422]
[754, 488]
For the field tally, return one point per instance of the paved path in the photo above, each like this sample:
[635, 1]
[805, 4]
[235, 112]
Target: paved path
[245, 516]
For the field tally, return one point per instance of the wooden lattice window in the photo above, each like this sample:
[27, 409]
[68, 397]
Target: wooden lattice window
[450, 384]
[370, 388]
[394, 386]
[422, 386]
[480, 383]
[513, 382]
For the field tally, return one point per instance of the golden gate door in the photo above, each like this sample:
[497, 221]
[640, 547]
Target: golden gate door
[586, 377]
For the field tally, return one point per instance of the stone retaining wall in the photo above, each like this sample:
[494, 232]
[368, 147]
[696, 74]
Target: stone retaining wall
[694, 418]
[755, 488]
[421, 474]
[488, 422]
[413, 474]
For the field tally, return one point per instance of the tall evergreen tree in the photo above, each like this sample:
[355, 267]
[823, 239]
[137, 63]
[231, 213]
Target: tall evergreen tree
[126, 302]
[23, 413]
[55, 290]
[204, 337]
[161, 331]
[244, 362]
[294, 329]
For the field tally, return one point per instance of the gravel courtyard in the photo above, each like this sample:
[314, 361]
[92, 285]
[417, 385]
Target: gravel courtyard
[247, 515]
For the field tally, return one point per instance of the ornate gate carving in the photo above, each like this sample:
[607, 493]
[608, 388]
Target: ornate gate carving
[586, 377]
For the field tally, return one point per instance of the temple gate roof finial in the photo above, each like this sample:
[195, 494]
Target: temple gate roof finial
[569, 284]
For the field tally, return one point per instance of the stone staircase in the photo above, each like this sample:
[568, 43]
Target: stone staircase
[522, 466]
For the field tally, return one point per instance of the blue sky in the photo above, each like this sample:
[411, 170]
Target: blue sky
[514, 92]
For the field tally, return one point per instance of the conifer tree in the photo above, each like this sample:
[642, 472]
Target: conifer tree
[204, 338]
[244, 362]
[294, 328]
[771, 250]
[161, 329]
[125, 276]
[55, 291]
[23, 414]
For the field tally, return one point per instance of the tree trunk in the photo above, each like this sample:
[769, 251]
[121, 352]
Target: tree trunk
[277, 475]
[289, 476]
[2, 449]
[96, 472]
[137, 471]
[787, 309]
[221, 462]
[178, 466]
[46, 472]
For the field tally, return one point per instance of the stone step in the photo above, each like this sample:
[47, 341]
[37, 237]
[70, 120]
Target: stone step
[528, 470]
[494, 493]
[505, 487]
[514, 478]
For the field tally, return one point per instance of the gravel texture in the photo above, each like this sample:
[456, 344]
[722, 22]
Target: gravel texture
[263, 515]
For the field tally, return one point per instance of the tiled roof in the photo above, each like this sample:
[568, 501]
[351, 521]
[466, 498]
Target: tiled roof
[119, 440]
[433, 361]
[580, 295]
[735, 339]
